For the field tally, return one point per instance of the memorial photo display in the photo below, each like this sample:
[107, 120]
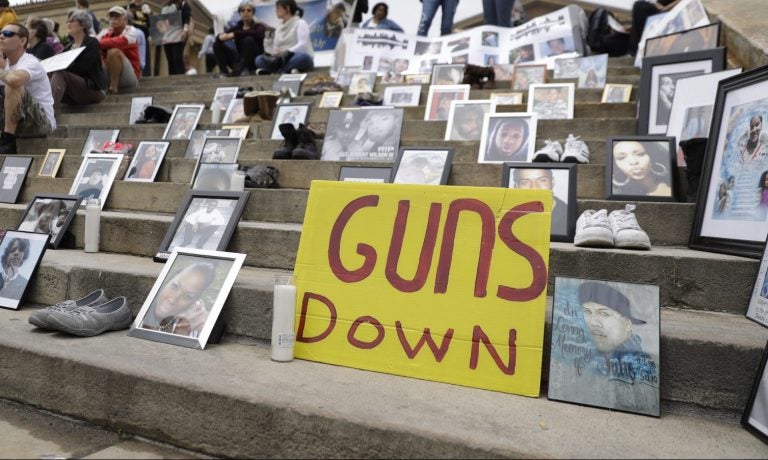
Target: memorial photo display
[146, 161]
[422, 166]
[641, 168]
[95, 177]
[20, 255]
[12, 174]
[183, 121]
[96, 140]
[50, 214]
[507, 137]
[371, 134]
[51, 163]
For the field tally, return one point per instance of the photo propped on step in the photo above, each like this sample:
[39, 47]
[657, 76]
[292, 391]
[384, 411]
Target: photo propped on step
[363, 134]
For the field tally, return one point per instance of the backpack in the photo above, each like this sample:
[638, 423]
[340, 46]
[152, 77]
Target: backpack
[602, 38]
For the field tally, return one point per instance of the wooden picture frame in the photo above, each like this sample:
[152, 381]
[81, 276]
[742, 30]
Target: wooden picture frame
[51, 163]
[330, 99]
[615, 93]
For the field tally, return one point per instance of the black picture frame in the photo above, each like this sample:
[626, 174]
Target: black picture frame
[45, 214]
[686, 41]
[716, 226]
[563, 226]
[422, 165]
[12, 174]
[380, 174]
[679, 65]
[661, 168]
[214, 176]
[758, 394]
[757, 310]
[282, 112]
[13, 291]
[198, 198]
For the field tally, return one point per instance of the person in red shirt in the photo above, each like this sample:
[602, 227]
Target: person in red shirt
[120, 51]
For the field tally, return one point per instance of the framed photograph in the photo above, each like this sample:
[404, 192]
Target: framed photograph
[592, 71]
[96, 139]
[503, 72]
[365, 134]
[165, 28]
[614, 93]
[566, 68]
[12, 173]
[465, 120]
[208, 277]
[758, 303]
[447, 74]
[507, 137]
[223, 96]
[699, 38]
[402, 96]
[605, 349]
[183, 121]
[556, 46]
[439, 100]
[95, 177]
[20, 255]
[50, 214]
[234, 112]
[641, 168]
[214, 176]
[362, 82]
[422, 166]
[513, 98]
[220, 149]
[195, 145]
[376, 174]
[240, 131]
[293, 113]
[146, 161]
[558, 177]
[205, 220]
[391, 69]
[417, 79]
[51, 163]
[551, 101]
[755, 417]
[528, 74]
[293, 86]
[138, 104]
[657, 84]
[344, 77]
[330, 99]
[732, 207]
[521, 54]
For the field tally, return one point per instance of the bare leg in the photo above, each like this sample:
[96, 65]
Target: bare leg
[114, 68]
[13, 95]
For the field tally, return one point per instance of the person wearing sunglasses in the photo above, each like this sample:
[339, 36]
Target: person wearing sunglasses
[26, 92]
[248, 36]
[120, 51]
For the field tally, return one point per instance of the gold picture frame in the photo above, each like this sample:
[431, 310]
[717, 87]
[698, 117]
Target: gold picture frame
[51, 163]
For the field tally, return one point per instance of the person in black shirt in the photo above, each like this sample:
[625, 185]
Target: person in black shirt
[84, 81]
[641, 11]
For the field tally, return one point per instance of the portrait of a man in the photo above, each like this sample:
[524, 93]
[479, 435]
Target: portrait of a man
[204, 218]
[546, 179]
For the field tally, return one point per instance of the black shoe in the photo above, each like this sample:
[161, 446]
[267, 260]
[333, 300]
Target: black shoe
[290, 141]
[7, 144]
[306, 148]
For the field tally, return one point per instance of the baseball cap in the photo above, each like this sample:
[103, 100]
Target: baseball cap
[118, 10]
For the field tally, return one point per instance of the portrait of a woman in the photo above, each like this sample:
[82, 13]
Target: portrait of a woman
[641, 168]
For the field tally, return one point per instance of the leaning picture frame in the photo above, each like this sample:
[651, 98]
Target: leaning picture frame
[223, 96]
[95, 177]
[51, 214]
[330, 99]
[511, 98]
[138, 104]
[551, 101]
[51, 163]
[755, 416]
[374, 174]
[183, 121]
[758, 302]
[361, 82]
[616, 93]
[417, 79]
[402, 95]
[197, 139]
[439, 100]
[658, 79]
[235, 111]
[191, 227]
[240, 131]
[32, 248]
[507, 137]
[188, 323]
[695, 39]
[558, 177]
[294, 113]
[12, 174]
[146, 162]
[527, 74]
[731, 214]
[422, 165]
[465, 119]
[214, 176]
[96, 140]
[641, 168]
[447, 74]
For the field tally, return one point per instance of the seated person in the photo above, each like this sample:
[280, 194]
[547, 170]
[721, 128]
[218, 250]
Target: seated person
[84, 81]
[120, 51]
[26, 98]
[291, 49]
[38, 44]
[379, 19]
[248, 35]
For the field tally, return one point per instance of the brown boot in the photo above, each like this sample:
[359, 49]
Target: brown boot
[267, 103]
[251, 103]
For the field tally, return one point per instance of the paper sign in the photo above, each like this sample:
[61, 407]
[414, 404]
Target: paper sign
[433, 282]
[62, 60]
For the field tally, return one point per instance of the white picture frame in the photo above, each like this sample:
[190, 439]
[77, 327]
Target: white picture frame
[465, 119]
[494, 123]
[95, 177]
[439, 98]
[402, 95]
[551, 101]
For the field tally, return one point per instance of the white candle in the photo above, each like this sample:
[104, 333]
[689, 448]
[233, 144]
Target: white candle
[238, 181]
[92, 223]
[283, 311]
[215, 113]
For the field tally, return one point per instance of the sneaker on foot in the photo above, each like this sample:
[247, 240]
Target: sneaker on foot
[576, 150]
[39, 318]
[627, 233]
[593, 229]
[88, 321]
[7, 144]
[551, 152]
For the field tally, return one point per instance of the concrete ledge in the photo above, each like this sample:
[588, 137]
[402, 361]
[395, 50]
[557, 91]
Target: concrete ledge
[743, 29]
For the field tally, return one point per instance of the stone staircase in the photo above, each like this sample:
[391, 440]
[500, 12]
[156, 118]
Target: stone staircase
[231, 400]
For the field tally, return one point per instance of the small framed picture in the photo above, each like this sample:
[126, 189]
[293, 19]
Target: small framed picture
[365, 134]
[507, 137]
[465, 120]
[20, 255]
[96, 139]
[214, 176]
[51, 163]
[146, 161]
[592, 71]
[503, 72]
[447, 74]
[205, 220]
[223, 96]
[605, 351]
[417, 79]
[422, 166]
[439, 100]
[566, 68]
[330, 99]
[234, 112]
[696, 39]
[187, 319]
[528, 74]
[195, 145]
[12, 173]
[95, 177]
[220, 149]
[138, 104]
[513, 98]
[240, 131]
[344, 77]
[402, 96]
[183, 121]
[614, 93]
[558, 177]
[165, 28]
[362, 82]
[50, 214]
[755, 417]
[293, 86]
[376, 174]
[551, 101]
[758, 303]
[521, 54]
[293, 113]
[556, 46]
[641, 168]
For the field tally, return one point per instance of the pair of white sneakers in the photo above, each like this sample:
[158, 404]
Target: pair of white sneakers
[617, 229]
[576, 151]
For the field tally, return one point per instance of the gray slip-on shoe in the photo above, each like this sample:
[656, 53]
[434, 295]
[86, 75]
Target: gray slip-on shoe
[88, 321]
[39, 318]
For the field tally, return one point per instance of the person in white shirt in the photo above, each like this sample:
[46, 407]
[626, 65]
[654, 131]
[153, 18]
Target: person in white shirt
[26, 91]
[291, 50]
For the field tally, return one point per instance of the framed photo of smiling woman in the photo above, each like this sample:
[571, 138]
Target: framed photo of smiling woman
[642, 168]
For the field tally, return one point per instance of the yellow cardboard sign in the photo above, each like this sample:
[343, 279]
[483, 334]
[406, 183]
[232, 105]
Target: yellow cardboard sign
[433, 282]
